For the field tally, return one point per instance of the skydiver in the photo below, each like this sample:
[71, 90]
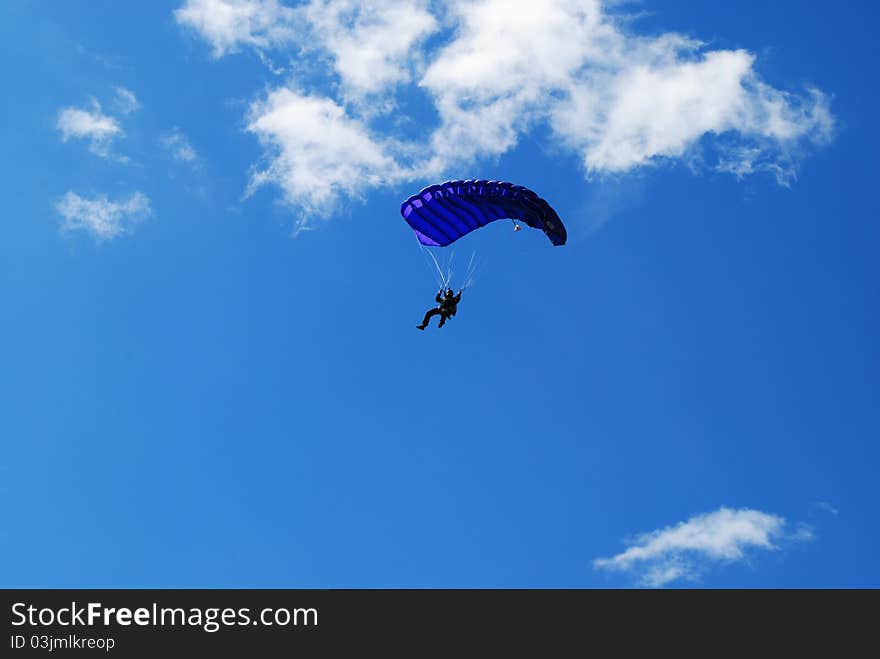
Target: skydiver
[447, 306]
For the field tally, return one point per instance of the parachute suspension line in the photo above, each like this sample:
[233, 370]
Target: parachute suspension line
[436, 265]
[471, 271]
[449, 271]
[516, 227]
[442, 277]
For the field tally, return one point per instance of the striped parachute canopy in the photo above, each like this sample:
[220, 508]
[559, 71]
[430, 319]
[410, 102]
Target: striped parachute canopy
[441, 214]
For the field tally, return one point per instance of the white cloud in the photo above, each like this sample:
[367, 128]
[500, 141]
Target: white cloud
[371, 43]
[91, 125]
[315, 151]
[650, 111]
[230, 25]
[685, 550]
[498, 70]
[101, 217]
[496, 78]
[621, 101]
[176, 143]
[125, 102]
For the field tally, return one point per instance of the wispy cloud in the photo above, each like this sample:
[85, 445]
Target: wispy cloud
[125, 101]
[90, 125]
[828, 508]
[94, 126]
[686, 550]
[370, 44]
[496, 71]
[230, 25]
[179, 147]
[102, 218]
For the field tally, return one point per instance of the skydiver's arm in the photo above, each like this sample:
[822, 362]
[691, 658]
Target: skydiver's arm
[439, 296]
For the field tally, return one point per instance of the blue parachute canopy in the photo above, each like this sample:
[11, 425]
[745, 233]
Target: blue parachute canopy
[441, 214]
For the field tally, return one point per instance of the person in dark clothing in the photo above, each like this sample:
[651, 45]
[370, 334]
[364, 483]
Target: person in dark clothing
[448, 304]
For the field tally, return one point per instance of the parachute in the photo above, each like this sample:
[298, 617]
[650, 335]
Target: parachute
[441, 214]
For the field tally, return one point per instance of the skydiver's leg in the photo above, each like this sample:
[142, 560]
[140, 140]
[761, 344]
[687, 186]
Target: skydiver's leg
[443, 318]
[430, 314]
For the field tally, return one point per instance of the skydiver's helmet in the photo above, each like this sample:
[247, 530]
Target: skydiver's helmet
[448, 292]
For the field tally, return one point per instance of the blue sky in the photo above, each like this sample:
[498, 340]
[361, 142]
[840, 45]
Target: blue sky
[211, 374]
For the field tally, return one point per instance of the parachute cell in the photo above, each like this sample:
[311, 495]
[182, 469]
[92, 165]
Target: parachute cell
[441, 214]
